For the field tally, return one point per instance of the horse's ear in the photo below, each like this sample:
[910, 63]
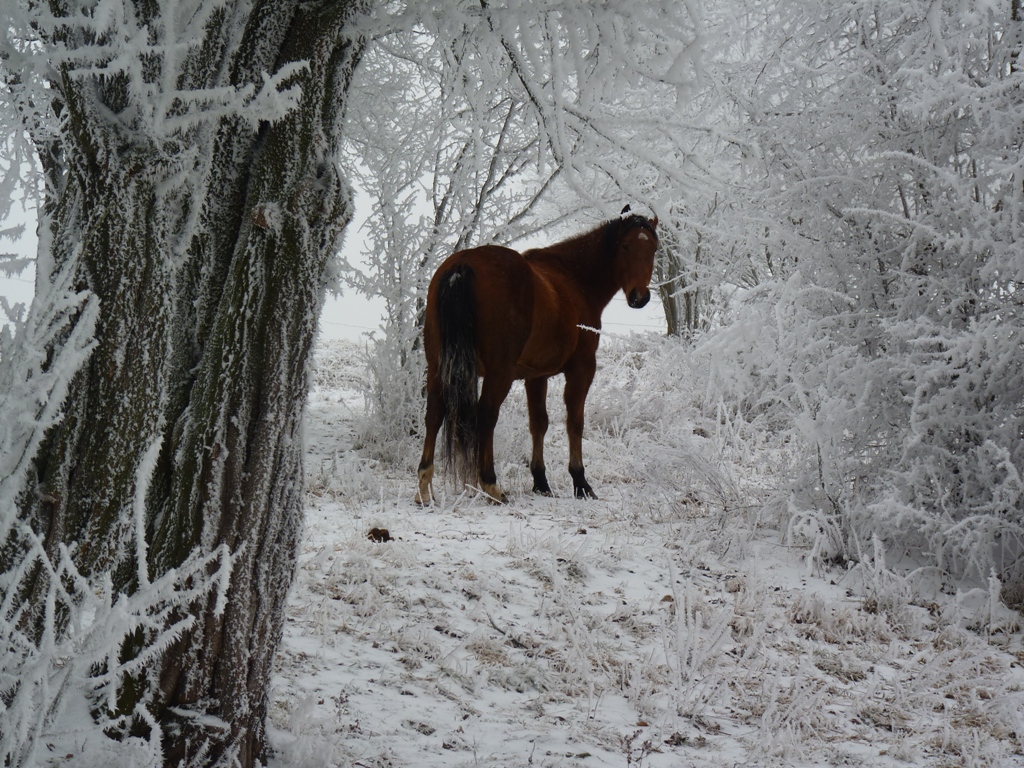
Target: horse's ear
[654, 221]
[625, 210]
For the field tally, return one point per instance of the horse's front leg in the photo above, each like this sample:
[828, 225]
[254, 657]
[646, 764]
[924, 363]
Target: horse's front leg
[577, 384]
[536, 403]
[493, 392]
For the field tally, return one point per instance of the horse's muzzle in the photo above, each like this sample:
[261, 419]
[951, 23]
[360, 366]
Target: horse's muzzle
[638, 299]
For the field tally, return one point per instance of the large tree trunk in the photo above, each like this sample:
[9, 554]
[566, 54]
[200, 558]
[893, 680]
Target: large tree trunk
[208, 256]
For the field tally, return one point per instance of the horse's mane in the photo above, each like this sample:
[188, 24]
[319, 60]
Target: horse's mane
[602, 238]
[616, 229]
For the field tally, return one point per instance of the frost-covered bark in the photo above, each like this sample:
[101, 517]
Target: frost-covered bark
[194, 199]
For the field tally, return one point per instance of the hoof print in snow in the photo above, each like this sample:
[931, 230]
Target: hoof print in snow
[379, 535]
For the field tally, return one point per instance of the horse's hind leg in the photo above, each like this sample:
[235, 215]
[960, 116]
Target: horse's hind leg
[536, 402]
[435, 415]
[493, 392]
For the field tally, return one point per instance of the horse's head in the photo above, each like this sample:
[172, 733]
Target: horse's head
[634, 257]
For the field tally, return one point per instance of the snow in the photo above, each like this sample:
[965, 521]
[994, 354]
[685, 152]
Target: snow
[661, 625]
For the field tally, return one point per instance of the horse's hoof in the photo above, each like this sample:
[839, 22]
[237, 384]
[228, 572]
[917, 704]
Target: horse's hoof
[424, 490]
[540, 481]
[585, 492]
[580, 487]
[494, 494]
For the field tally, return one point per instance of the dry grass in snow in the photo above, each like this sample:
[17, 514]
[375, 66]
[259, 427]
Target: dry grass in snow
[662, 625]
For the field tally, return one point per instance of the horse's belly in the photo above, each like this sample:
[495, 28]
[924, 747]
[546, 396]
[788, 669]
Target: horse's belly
[546, 351]
[553, 333]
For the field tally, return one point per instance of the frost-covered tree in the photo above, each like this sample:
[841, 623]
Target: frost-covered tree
[887, 332]
[530, 121]
[501, 130]
[693, 277]
[191, 201]
[447, 159]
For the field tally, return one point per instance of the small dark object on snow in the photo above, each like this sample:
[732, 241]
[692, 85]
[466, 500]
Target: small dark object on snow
[678, 740]
[379, 535]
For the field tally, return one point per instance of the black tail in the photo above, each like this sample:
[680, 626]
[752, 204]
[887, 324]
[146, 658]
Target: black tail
[456, 314]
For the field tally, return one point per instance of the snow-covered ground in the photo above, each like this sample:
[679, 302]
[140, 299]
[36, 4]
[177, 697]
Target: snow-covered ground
[665, 624]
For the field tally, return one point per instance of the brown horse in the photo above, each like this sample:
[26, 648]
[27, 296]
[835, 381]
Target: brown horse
[502, 315]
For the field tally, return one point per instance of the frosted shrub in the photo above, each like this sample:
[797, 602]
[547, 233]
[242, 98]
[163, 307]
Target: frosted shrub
[644, 412]
[336, 367]
[395, 395]
[885, 345]
[914, 446]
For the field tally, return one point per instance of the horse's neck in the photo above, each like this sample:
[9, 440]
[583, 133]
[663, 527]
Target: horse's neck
[584, 259]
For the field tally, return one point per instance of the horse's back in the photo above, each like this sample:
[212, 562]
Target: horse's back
[526, 322]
